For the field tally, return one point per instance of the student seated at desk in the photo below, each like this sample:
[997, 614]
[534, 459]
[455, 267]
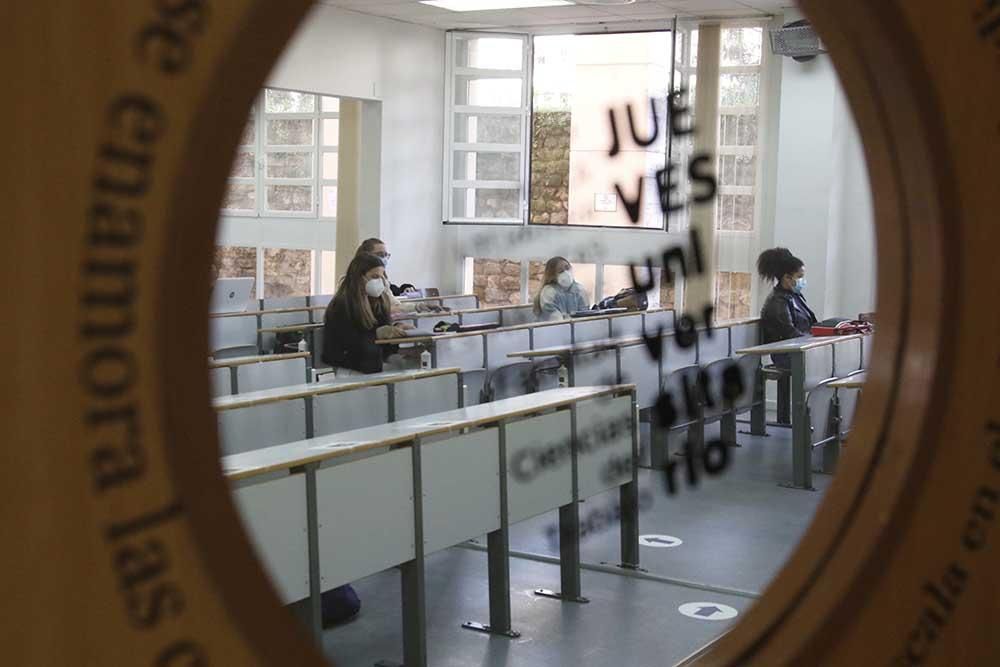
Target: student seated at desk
[785, 313]
[560, 295]
[358, 314]
[377, 247]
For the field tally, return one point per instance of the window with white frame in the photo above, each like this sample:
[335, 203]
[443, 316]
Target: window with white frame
[286, 164]
[486, 126]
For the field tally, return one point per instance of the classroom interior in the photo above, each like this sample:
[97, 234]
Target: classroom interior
[516, 496]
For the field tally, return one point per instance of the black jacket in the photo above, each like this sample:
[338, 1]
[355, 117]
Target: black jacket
[785, 315]
[347, 344]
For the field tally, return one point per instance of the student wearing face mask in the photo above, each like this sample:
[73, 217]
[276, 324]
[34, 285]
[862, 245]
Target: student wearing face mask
[358, 315]
[377, 247]
[560, 295]
[785, 313]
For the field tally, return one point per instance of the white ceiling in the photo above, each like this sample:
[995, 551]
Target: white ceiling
[544, 18]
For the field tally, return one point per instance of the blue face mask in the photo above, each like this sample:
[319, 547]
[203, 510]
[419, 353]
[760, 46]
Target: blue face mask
[800, 285]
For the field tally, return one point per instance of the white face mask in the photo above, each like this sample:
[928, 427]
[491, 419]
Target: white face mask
[375, 287]
[565, 279]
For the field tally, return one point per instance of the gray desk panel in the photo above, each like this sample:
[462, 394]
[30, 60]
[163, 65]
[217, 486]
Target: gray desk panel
[461, 303]
[642, 370]
[274, 516]
[595, 368]
[545, 488]
[270, 375]
[587, 330]
[465, 352]
[514, 316]
[743, 336]
[285, 302]
[557, 334]
[847, 357]
[426, 396]
[348, 410]
[592, 418]
[488, 317]
[320, 300]
[714, 347]
[819, 412]
[626, 326]
[461, 488]
[280, 320]
[502, 343]
[259, 426]
[675, 357]
[867, 345]
[365, 516]
[819, 365]
[220, 382]
[660, 317]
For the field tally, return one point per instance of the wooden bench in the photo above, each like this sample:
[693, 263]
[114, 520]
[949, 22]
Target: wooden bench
[327, 511]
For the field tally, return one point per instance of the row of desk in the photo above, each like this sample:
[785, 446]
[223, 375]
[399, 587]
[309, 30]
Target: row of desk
[433, 482]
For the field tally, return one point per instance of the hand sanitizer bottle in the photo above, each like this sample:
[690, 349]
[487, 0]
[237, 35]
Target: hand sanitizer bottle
[425, 360]
[563, 375]
[303, 346]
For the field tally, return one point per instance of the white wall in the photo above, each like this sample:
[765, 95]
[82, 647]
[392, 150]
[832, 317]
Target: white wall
[823, 210]
[343, 53]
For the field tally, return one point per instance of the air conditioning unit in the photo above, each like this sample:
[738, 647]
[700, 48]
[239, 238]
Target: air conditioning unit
[797, 40]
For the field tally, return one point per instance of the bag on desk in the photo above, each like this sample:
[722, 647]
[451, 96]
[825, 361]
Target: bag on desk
[839, 327]
[628, 298]
[287, 341]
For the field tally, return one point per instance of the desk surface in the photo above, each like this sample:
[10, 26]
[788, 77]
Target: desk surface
[798, 344]
[290, 455]
[257, 359]
[333, 386]
[856, 381]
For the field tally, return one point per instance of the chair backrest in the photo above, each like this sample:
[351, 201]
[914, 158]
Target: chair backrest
[233, 333]
[271, 374]
[674, 384]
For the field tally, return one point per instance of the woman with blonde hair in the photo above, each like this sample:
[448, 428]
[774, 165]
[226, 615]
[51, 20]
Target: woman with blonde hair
[359, 313]
[560, 295]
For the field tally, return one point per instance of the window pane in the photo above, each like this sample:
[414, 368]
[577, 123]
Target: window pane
[487, 92]
[249, 137]
[329, 165]
[485, 203]
[235, 262]
[737, 90]
[293, 198]
[737, 170]
[743, 212]
[488, 53]
[741, 46]
[487, 166]
[331, 104]
[738, 129]
[732, 300]
[497, 282]
[287, 272]
[331, 131]
[329, 201]
[291, 132]
[487, 129]
[577, 79]
[287, 101]
[243, 165]
[618, 277]
[289, 165]
[240, 197]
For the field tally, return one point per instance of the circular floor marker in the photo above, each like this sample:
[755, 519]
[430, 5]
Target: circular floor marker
[660, 541]
[708, 611]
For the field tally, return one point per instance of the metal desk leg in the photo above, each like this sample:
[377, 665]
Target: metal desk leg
[412, 579]
[758, 411]
[801, 448]
[831, 450]
[569, 536]
[312, 539]
[498, 561]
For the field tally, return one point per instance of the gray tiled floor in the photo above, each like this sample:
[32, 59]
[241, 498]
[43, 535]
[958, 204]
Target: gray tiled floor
[737, 530]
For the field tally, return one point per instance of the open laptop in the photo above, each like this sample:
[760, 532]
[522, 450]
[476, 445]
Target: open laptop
[230, 295]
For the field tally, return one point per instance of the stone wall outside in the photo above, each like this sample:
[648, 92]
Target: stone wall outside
[497, 282]
[550, 142]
